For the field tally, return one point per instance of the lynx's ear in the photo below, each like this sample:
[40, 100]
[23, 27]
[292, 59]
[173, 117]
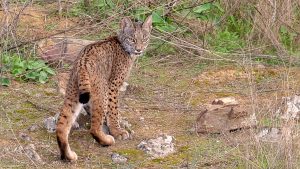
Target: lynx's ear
[147, 25]
[126, 24]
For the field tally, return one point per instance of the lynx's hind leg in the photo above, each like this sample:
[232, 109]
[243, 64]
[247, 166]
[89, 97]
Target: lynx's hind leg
[68, 115]
[98, 107]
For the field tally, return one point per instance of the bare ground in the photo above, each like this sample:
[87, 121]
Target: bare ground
[168, 99]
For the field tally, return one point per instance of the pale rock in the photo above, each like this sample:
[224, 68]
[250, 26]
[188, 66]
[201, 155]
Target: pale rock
[124, 86]
[291, 108]
[32, 154]
[225, 115]
[269, 135]
[118, 159]
[158, 147]
[142, 119]
[226, 101]
[24, 136]
[33, 128]
[50, 124]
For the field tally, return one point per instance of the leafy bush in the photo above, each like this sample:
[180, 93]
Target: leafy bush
[160, 22]
[287, 38]
[225, 41]
[211, 11]
[22, 69]
[96, 7]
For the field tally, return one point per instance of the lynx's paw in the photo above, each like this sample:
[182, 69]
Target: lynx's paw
[71, 156]
[119, 133]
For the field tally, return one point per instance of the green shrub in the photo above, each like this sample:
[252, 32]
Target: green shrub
[24, 69]
[225, 41]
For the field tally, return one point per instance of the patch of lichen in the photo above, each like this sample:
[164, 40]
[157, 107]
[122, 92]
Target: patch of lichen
[133, 155]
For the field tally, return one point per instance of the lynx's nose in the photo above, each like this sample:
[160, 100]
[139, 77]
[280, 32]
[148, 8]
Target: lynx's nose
[138, 51]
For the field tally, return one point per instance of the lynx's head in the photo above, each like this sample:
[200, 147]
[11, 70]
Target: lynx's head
[134, 36]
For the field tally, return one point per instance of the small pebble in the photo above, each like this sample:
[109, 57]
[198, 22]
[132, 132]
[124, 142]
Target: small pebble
[118, 159]
[33, 128]
[50, 124]
[142, 119]
[32, 154]
[24, 136]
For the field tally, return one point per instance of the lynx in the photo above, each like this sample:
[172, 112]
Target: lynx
[95, 80]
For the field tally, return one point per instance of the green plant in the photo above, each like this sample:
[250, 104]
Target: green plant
[25, 69]
[238, 25]
[4, 81]
[287, 38]
[225, 41]
[211, 11]
[96, 7]
[159, 20]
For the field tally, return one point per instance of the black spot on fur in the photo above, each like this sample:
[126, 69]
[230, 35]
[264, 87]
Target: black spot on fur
[84, 98]
[62, 149]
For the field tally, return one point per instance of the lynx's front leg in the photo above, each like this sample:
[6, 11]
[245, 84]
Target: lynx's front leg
[113, 116]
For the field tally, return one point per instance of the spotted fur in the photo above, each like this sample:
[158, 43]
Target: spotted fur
[95, 80]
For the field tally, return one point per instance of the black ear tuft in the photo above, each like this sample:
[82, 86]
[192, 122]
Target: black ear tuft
[84, 98]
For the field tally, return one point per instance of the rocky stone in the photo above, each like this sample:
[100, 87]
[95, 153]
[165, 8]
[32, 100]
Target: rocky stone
[33, 128]
[127, 126]
[118, 159]
[158, 147]
[269, 134]
[124, 123]
[32, 154]
[50, 124]
[142, 119]
[290, 109]
[24, 136]
[224, 116]
[226, 101]
[124, 87]
[61, 49]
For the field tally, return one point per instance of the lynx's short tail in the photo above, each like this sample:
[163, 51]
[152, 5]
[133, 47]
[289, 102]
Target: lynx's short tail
[84, 87]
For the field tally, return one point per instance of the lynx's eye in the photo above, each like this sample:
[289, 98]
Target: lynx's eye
[131, 40]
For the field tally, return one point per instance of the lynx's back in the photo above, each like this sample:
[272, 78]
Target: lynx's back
[96, 77]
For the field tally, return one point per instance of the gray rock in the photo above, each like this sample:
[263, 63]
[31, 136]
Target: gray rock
[60, 49]
[50, 124]
[118, 159]
[124, 123]
[127, 126]
[225, 116]
[24, 136]
[124, 86]
[32, 154]
[226, 101]
[291, 108]
[33, 128]
[159, 147]
[142, 119]
[269, 134]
